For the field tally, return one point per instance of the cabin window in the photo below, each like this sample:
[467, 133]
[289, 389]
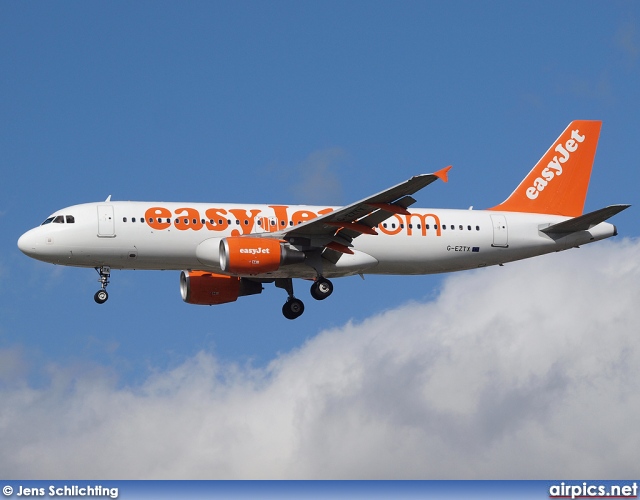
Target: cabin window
[124, 219]
[259, 222]
[444, 226]
[195, 221]
[477, 228]
[469, 228]
[460, 227]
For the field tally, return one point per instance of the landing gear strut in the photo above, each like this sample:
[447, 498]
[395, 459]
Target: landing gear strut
[101, 295]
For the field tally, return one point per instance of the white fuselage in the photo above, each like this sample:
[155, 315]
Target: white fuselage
[158, 235]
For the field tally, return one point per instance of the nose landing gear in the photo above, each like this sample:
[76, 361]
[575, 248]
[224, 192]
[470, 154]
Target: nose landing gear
[101, 295]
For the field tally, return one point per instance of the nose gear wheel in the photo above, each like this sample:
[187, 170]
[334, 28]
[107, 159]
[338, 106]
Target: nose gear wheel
[101, 296]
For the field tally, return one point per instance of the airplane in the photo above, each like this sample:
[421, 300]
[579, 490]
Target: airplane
[225, 251]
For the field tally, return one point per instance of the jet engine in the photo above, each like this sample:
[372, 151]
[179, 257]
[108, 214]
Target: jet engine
[205, 288]
[243, 255]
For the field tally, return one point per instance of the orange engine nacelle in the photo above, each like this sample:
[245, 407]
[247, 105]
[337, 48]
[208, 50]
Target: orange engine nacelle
[205, 288]
[242, 255]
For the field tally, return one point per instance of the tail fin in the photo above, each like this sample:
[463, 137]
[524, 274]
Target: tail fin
[558, 183]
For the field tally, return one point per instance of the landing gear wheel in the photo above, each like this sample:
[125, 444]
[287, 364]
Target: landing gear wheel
[321, 289]
[101, 296]
[293, 308]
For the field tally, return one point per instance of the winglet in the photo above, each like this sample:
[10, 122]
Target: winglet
[442, 173]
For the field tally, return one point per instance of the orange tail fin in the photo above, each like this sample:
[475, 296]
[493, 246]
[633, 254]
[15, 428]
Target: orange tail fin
[558, 183]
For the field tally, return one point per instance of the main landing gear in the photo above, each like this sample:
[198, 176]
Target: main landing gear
[101, 295]
[293, 307]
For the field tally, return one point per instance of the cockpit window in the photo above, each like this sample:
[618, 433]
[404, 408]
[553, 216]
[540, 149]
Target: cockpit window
[59, 219]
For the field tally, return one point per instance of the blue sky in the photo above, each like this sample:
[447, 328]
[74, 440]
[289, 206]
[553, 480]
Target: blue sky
[276, 102]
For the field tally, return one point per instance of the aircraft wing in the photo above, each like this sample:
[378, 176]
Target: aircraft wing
[336, 230]
[586, 221]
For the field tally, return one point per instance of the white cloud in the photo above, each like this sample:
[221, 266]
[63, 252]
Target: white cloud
[523, 371]
[591, 88]
[318, 182]
[626, 40]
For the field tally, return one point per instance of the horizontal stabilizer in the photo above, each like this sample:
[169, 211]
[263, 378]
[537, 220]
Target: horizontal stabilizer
[586, 221]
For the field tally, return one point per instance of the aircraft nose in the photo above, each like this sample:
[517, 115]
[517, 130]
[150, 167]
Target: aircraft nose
[27, 243]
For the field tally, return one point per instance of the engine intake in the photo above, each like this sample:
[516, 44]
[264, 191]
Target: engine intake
[242, 255]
